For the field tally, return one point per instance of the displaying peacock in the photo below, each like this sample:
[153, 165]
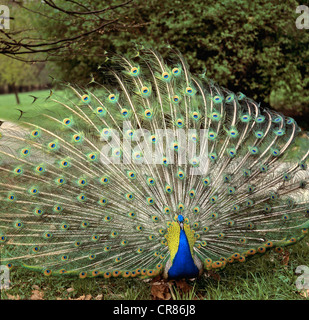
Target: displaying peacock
[155, 172]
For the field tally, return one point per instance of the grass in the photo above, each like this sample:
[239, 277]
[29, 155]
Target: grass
[9, 108]
[266, 278]
[8, 105]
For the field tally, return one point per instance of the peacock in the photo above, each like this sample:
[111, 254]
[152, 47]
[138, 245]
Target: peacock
[153, 172]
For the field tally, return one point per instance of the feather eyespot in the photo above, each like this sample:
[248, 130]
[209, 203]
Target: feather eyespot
[95, 273]
[145, 91]
[131, 175]
[47, 272]
[132, 214]
[165, 76]
[114, 234]
[18, 224]
[85, 98]
[47, 235]
[195, 115]
[168, 189]
[229, 98]
[189, 91]
[35, 133]
[126, 274]
[176, 71]
[116, 273]
[167, 210]
[134, 71]
[18, 170]
[100, 111]
[196, 210]
[25, 152]
[95, 237]
[124, 112]
[84, 224]
[107, 248]
[11, 197]
[213, 156]
[179, 123]
[108, 218]
[175, 99]
[38, 212]
[260, 119]
[240, 96]
[112, 98]
[64, 226]
[217, 99]
[150, 200]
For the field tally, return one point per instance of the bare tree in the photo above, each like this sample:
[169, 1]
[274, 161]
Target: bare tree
[29, 44]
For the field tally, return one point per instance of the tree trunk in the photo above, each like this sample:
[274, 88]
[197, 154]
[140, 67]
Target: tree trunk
[16, 93]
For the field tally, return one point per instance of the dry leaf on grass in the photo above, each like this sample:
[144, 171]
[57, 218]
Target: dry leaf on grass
[214, 275]
[37, 295]
[160, 291]
[285, 257]
[305, 293]
[10, 297]
[83, 297]
[70, 290]
[183, 286]
[35, 287]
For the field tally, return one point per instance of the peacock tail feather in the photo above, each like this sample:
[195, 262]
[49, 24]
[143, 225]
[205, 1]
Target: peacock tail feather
[99, 191]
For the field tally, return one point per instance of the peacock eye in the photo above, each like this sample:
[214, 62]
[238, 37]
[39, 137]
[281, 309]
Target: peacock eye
[176, 71]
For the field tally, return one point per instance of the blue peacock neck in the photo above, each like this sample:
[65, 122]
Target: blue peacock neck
[183, 264]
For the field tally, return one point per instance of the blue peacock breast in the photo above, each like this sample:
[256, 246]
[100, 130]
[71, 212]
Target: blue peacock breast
[183, 265]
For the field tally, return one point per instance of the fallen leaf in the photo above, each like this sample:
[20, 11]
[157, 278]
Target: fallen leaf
[99, 297]
[285, 257]
[70, 290]
[10, 297]
[160, 291]
[36, 287]
[305, 293]
[183, 286]
[37, 295]
[214, 275]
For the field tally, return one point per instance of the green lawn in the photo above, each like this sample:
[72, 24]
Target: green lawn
[32, 111]
[8, 105]
[271, 277]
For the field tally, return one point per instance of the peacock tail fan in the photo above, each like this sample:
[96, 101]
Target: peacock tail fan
[94, 184]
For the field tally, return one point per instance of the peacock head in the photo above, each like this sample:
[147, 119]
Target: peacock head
[180, 220]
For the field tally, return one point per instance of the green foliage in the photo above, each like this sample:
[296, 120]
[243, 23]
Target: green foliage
[15, 72]
[19, 73]
[255, 49]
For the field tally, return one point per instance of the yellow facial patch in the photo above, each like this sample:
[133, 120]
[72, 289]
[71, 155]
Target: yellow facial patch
[172, 237]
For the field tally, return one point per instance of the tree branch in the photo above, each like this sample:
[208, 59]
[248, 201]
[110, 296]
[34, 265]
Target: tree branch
[24, 42]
